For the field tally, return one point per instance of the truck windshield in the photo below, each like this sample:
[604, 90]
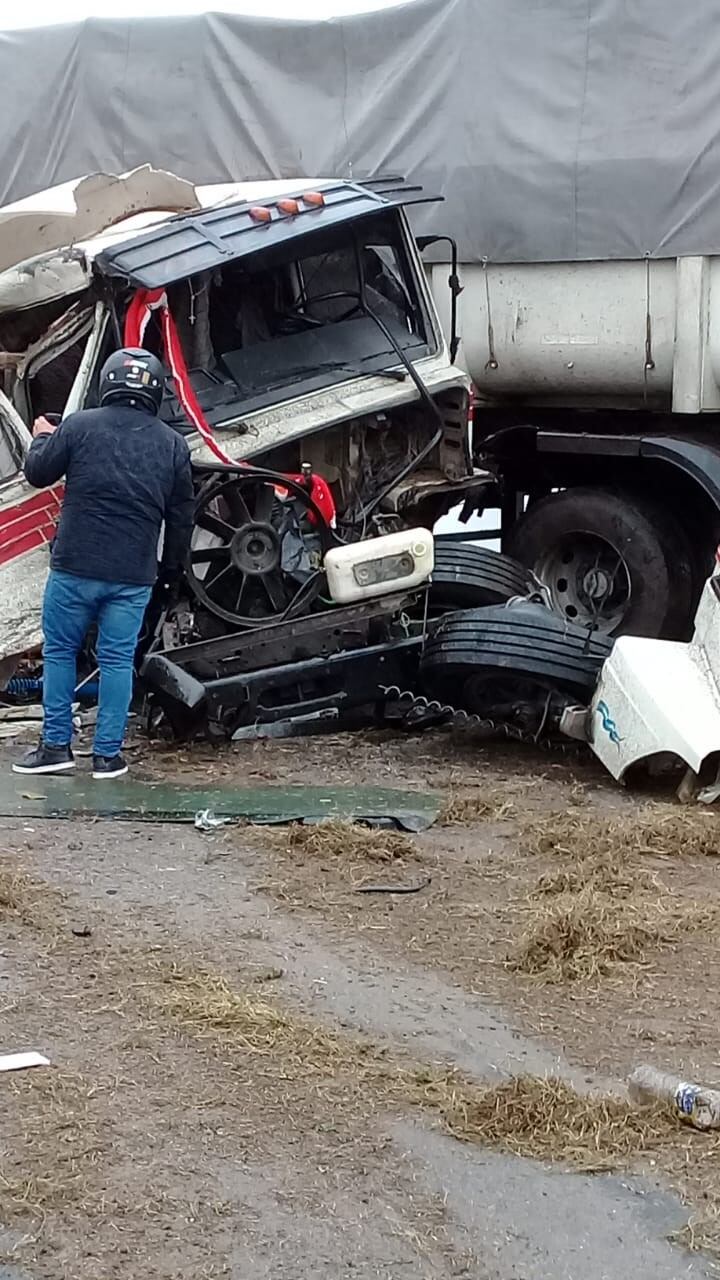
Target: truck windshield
[298, 317]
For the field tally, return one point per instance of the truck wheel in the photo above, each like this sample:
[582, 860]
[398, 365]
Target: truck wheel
[519, 664]
[502, 644]
[466, 577]
[609, 560]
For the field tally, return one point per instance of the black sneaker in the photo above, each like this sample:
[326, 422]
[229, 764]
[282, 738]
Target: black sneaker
[46, 759]
[109, 766]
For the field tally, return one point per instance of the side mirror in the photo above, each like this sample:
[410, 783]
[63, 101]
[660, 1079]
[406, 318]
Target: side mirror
[454, 285]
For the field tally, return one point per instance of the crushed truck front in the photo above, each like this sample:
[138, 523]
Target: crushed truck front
[297, 329]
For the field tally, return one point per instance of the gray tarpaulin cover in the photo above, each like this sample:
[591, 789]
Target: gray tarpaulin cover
[556, 129]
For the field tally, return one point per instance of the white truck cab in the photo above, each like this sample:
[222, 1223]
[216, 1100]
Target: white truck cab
[297, 328]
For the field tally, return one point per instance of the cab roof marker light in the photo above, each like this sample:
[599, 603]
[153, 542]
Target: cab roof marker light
[288, 207]
[259, 213]
[314, 198]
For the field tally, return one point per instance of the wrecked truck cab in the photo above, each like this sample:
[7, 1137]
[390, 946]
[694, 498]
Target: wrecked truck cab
[299, 336]
[292, 315]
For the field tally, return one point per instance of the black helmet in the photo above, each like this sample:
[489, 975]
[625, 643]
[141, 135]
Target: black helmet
[135, 375]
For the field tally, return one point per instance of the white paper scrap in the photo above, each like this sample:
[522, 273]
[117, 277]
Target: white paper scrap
[18, 1061]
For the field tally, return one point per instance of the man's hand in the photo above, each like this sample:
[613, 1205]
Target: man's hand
[43, 427]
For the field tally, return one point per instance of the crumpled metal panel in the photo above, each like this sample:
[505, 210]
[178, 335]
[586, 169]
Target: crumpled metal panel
[86, 207]
[76, 796]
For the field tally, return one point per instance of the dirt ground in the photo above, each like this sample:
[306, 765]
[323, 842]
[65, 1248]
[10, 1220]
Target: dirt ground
[261, 1069]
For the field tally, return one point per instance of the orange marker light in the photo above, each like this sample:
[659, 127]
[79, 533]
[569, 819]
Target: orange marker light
[260, 214]
[314, 197]
[289, 207]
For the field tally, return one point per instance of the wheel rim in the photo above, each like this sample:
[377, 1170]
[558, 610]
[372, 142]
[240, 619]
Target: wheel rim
[588, 580]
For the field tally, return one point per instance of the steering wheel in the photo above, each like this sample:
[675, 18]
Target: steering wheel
[295, 312]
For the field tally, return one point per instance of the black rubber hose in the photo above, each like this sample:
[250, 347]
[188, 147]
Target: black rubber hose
[424, 394]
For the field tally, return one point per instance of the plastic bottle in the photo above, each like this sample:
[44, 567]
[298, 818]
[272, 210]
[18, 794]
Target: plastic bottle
[690, 1102]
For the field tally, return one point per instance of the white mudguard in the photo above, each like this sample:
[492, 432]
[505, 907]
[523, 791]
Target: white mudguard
[658, 696]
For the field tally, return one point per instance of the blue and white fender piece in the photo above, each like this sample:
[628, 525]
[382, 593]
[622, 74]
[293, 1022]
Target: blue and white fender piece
[658, 697]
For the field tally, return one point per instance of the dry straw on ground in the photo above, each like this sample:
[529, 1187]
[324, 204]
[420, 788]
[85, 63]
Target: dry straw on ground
[203, 1004]
[603, 910]
[491, 804]
[608, 871]
[26, 901]
[52, 1144]
[348, 841]
[662, 830]
[543, 1119]
[601, 905]
[586, 934]
[546, 1119]
[270, 1051]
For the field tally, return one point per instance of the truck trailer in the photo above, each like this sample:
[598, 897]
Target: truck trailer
[597, 402]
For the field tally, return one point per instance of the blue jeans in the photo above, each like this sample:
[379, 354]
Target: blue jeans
[70, 607]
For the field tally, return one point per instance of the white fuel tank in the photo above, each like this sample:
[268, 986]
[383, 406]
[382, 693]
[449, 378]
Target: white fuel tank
[621, 334]
[380, 566]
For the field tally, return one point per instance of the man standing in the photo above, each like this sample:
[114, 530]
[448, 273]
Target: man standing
[126, 473]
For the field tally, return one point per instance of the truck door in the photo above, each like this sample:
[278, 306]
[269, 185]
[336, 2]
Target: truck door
[27, 526]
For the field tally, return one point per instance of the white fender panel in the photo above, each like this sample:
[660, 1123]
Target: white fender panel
[654, 696]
